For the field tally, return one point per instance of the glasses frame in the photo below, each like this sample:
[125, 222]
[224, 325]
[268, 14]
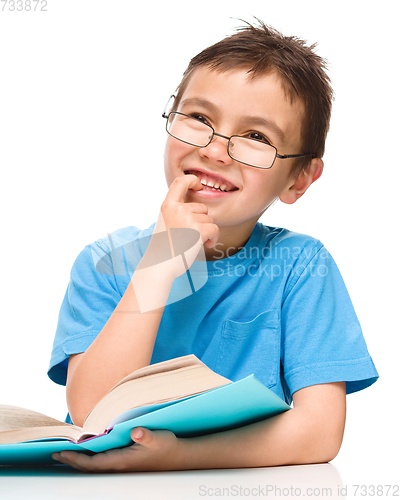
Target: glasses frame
[214, 133]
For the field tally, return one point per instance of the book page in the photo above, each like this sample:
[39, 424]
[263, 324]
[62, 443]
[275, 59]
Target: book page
[164, 366]
[155, 369]
[14, 417]
[18, 425]
[26, 434]
[152, 389]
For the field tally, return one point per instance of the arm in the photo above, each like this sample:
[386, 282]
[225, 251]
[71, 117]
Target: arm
[126, 342]
[309, 433]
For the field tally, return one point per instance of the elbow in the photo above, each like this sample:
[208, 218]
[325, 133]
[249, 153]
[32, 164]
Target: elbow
[329, 452]
[333, 439]
[75, 392]
[321, 441]
[322, 410]
[322, 449]
[77, 417]
[77, 414]
[318, 455]
[334, 449]
[76, 406]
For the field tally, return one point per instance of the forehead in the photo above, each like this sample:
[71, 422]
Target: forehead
[234, 94]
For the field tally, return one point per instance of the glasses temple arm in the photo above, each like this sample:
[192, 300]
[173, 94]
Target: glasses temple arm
[167, 106]
[294, 156]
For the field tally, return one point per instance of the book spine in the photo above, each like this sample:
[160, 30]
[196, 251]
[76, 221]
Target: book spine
[93, 437]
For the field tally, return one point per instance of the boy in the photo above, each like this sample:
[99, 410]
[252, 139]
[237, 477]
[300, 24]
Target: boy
[247, 126]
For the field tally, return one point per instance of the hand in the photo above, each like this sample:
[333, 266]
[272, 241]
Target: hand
[153, 450]
[162, 263]
[175, 213]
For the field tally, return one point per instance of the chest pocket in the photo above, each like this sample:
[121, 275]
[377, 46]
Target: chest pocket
[251, 347]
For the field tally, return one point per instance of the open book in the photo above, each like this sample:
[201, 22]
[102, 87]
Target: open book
[153, 385]
[182, 395]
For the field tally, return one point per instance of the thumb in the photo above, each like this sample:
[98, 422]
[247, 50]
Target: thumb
[141, 436]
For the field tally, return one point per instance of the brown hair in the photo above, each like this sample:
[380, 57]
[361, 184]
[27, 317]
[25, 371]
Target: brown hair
[262, 50]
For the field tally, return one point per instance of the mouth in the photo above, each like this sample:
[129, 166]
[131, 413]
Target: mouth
[211, 182]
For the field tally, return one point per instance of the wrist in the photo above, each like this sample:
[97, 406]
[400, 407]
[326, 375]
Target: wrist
[182, 457]
[152, 284]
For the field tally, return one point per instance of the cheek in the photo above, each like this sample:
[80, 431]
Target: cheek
[259, 182]
[170, 161]
[167, 165]
[175, 158]
[264, 187]
[274, 180]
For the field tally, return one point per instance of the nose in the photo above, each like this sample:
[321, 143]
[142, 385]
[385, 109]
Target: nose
[217, 150]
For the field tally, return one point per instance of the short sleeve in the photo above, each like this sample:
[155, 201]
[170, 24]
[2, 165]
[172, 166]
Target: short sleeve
[90, 299]
[322, 337]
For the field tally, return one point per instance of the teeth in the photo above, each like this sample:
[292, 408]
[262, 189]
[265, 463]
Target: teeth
[213, 184]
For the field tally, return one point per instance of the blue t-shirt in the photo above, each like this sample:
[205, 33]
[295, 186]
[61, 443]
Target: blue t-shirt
[278, 308]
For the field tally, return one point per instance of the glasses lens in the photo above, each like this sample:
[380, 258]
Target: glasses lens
[188, 129]
[254, 153]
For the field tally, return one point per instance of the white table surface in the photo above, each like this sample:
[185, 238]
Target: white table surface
[62, 482]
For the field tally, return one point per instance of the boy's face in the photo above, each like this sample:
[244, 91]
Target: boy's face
[235, 105]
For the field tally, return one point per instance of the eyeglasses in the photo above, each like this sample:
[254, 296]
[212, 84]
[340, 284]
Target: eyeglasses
[252, 152]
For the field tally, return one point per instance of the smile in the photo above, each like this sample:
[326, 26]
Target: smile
[212, 183]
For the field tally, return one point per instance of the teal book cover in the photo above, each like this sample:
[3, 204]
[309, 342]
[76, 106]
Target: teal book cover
[227, 407]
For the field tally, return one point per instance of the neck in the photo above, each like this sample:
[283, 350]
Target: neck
[230, 242]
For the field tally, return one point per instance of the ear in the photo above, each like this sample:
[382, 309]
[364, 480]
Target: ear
[301, 183]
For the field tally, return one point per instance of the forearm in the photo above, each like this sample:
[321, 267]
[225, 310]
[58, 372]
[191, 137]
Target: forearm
[309, 433]
[124, 344]
[298, 436]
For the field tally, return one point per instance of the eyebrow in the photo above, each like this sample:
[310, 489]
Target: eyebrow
[270, 124]
[249, 120]
[201, 102]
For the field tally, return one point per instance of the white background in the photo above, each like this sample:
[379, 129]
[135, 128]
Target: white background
[82, 89]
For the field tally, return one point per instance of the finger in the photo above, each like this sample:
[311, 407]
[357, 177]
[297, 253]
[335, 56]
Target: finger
[197, 208]
[180, 186]
[213, 233]
[202, 218]
[112, 460]
[64, 458]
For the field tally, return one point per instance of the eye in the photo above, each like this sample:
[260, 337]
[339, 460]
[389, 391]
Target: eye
[199, 117]
[257, 136]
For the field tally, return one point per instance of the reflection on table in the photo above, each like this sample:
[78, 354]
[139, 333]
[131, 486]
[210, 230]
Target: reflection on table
[63, 482]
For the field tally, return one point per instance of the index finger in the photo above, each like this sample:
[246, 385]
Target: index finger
[181, 185]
